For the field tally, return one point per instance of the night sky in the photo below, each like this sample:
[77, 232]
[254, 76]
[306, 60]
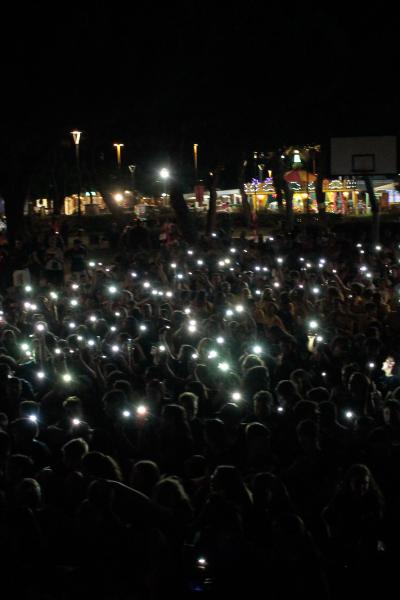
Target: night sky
[232, 79]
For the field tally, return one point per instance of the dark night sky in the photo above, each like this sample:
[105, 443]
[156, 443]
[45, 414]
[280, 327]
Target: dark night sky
[229, 78]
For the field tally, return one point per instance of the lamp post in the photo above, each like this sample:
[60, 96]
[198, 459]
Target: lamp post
[196, 177]
[164, 174]
[118, 148]
[132, 169]
[76, 137]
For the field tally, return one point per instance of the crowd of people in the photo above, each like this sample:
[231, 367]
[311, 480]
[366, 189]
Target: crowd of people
[215, 418]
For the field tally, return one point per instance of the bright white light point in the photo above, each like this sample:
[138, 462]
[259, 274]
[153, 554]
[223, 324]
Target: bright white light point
[141, 410]
[220, 340]
[323, 374]
[117, 314]
[212, 354]
[113, 328]
[313, 324]
[200, 262]
[161, 348]
[40, 375]
[257, 268]
[180, 276]
[258, 292]
[72, 325]
[280, 260]
[187, 311]
[67, 377]
[257, 349]
[236, 396]
[192, 328]
[33, 418]
[233, 250]
[24, 347]
[133, 274]
[239, 308]
[169, 294]
[93, 318]
[54, 295]
[315, 290]
[126, 413]
[75, 286]
[112, 289]
[195, 356]
[371, 365]
[57, 351]
[146, 284]
[229, 312]
[91, 343]
[213, 235]
[173, 265]
[378, 248]
[75, 421]
[142, 327]
[190, 252]
[349, 414]
[28, 288]
[280, 409]
[27, 305]
[40, 327]
[92, 264]
[223, 366]
[74, 302]
[265, 268]
[320, 338]
[221, 263]
[276, 284]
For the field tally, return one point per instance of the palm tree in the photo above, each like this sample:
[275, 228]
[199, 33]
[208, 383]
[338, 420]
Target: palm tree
[212, 207]
[245, 202]
[281, 185]
[184, 218]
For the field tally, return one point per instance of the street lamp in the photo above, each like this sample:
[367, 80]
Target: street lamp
[195, 146]
[118, 148]
[164, 174]
[132, 169]
[76, 137]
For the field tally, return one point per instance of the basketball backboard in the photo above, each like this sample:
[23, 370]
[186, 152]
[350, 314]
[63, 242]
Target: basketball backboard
[376, 155]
